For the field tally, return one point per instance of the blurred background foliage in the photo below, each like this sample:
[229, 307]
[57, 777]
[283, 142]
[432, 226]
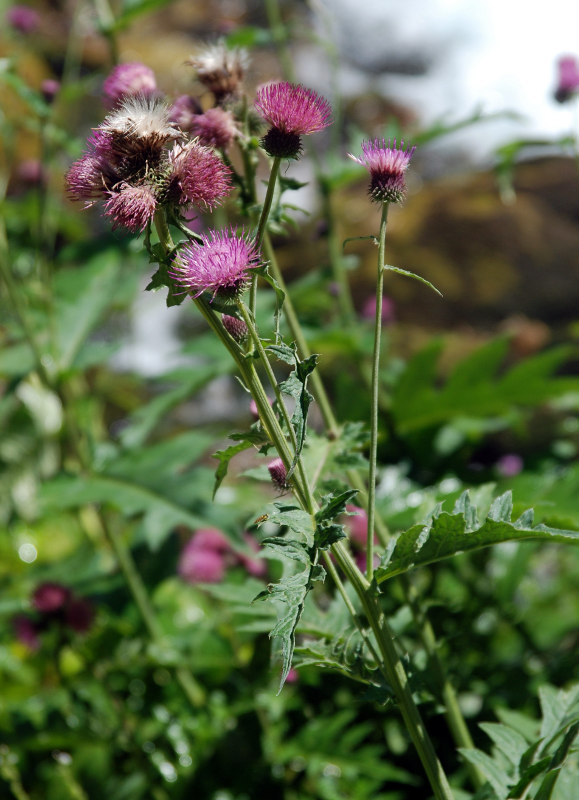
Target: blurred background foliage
[111, 407]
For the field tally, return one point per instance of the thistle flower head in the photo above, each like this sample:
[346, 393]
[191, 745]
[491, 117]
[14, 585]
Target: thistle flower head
[215, 128]
[278, 473]
[220, 69]
[387, 165]
[197, 565]
[567, 78]
[23, 19]
[292, 111]
[132, 78]
[131, 207]
[198, 176]
[183, 111]
[50, 597]
[139, 127]
[219, 264]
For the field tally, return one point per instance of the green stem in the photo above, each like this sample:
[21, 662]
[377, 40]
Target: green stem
[396, 675]
[332, 427]
[262, 225]
[375, 394]
[345, 302]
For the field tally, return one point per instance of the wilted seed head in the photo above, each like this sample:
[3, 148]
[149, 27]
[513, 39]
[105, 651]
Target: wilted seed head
[132, 78]
[386, 164]
[198, 176]
[235, 327]
[139, 127]
[131, 207]
[292, 110]
[278, 473]
[219, 69]
[219, 264]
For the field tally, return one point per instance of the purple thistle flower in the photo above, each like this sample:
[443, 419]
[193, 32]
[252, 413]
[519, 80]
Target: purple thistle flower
[131, 207]
[26, 631]
[198, 177]
[79, 614]
[253, 566]
[219, 264]
[209, 539]
[278, 473]
[509, 465]
[215, 128]
[22, 18]
[293, 111]
[386, 164]
[235, 327]
[50, 88]
[132, 78]
[201, 566]
[567, 79]
[50, 597]
[183, 111]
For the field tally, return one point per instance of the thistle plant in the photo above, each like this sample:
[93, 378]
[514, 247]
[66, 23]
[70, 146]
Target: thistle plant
[151, 163]
[184, 174]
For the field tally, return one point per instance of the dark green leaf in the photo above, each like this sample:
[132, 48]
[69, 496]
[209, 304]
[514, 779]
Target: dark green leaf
[445, 535]
[224, 457]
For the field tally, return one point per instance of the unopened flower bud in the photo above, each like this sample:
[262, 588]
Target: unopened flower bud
[278, 473]
[236, 328]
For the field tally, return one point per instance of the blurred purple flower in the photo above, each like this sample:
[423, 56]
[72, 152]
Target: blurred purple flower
[183, 111]
[50, 88]
[22, 18]
[210, 539]
[369, 309]
[132, 78]
[509, 465]
[387, 165]
[31, 172]
[50, 597]
[215, 128]
[567, 78]
[292, 110]
[254, 566]
[219, 264]
[26, 631]
[79, 614]
[197, 565]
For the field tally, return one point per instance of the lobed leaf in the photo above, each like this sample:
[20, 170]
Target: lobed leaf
[446, 534]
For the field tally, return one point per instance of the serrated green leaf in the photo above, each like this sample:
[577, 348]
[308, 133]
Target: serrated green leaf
[509, 742]
[292, 591]
[296, 386]
[295, 519]
[497, 778]
[445, 535]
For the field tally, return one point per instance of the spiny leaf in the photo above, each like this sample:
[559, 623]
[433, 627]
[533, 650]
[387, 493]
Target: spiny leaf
[333, 505]
[263, 272]
[292, 591]
[446, 534]
[296, 386]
